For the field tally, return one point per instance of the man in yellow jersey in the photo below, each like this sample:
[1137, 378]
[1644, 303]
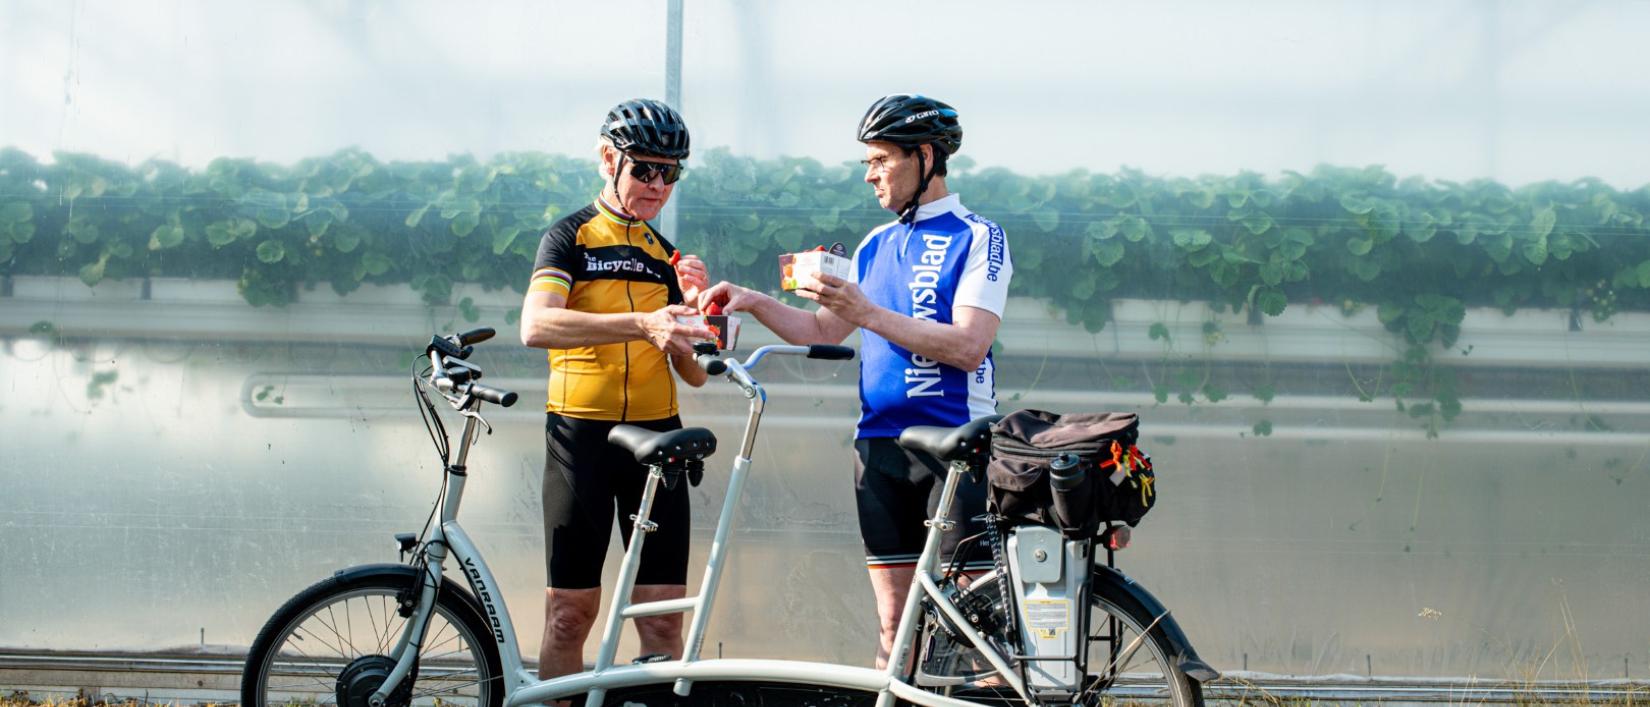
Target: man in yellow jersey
[606, 291]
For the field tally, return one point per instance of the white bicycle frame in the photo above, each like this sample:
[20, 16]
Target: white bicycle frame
[522, 687]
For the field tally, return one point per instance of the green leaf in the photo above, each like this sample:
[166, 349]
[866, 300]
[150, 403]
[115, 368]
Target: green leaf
[1295, 242]
[223, 233]
[1543, 222]
[464, 223]
[1365, 269]
[503, 238]
[1191, 239]
[1423, 230]
[167, 236]
[1158, 330]
[1271, 301]
[417, 216]
[1046, 219]
[317, 222]
[92, 273]
[376, 263]
[1107, 253]
[1535, 251]
[827, 220]
[465, 205]
[1360, 246]
[1262, 428]
[346, 239]
[1357, 203]
[1257, 223]
[1644, 274]
[1420, 327]
[83, 229]
[267, 208]
[1134, 228]
[271, 251]
[1083, 286]
[1202, 258]
[1102, 229]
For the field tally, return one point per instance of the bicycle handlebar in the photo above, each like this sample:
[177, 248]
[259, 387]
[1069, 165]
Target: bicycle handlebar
[712, 363]
[475, 336]
[452, 375]
[830, 352]
[496, 396]
[711, 360]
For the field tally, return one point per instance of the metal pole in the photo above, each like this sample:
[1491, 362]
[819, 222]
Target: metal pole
[673, 95]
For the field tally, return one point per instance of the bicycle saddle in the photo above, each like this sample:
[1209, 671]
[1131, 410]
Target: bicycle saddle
[951, 443]
[664, 447]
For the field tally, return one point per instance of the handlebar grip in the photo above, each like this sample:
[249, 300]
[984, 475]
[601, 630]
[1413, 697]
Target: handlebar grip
[830, 352]
[475, 336]
[493, 395]
[712, 363]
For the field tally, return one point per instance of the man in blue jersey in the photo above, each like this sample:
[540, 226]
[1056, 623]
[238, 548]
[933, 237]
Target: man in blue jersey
[927, 298]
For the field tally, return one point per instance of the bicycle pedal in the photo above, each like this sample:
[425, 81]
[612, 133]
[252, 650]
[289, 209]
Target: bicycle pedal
[651, 658]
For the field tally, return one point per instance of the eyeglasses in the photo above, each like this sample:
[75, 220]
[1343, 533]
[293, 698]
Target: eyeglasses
[645, 172]
[878, 164]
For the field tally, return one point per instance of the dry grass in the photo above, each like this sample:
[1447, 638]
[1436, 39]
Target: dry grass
[23, 699]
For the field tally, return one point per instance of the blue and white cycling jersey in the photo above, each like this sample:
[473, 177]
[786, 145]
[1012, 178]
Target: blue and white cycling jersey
[947, 258]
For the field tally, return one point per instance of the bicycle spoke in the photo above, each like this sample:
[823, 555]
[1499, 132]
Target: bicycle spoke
[333, 627]
[373, 617]
[322, 639]
[455, 637]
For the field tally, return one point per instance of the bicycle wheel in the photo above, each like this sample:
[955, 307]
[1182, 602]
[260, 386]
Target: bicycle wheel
[329, 645]
[1129, 661]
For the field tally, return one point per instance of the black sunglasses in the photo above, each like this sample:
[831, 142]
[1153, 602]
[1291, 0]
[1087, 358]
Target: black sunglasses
[645, 172]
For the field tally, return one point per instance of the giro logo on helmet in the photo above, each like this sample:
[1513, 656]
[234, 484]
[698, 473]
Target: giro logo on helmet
[920, 116]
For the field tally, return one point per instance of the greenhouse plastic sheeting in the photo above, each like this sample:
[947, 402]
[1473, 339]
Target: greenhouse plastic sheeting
[176, 462]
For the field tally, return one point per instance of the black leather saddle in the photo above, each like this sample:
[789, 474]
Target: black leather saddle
[664, 448]
[970, 442]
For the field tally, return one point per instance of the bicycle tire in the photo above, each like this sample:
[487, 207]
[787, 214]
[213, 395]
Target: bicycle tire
[316, 630]
[1113, 677]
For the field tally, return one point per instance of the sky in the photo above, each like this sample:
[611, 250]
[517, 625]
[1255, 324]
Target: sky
[1514, 91]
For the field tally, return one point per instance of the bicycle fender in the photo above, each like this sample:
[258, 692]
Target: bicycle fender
[1119, 587]
[410, 574]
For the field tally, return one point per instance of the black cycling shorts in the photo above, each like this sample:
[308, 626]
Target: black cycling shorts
[586, 479]
[896, 490]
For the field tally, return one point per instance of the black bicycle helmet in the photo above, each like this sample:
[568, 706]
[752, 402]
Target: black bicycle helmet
[649, 127]
[910, 120]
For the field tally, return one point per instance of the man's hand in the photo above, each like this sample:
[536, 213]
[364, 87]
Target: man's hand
[842, 297]
[731, 297]
[692, 276]
[661, 329]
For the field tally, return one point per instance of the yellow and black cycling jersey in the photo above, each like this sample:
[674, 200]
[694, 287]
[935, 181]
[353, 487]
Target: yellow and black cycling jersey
[606, 263]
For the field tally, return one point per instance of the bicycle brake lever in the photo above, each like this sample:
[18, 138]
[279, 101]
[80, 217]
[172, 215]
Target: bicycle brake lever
[471, 413]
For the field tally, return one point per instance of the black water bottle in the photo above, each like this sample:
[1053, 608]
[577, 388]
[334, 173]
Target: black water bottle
[1073, 495]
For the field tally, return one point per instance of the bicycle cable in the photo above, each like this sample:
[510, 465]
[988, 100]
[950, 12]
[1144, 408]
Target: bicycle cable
[438, 437]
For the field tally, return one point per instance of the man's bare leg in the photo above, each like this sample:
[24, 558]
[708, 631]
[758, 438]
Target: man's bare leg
[568, 616]
[890, 585]
[662, 633]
